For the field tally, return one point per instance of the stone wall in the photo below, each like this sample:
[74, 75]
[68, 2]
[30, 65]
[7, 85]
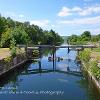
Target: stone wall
[9, 63]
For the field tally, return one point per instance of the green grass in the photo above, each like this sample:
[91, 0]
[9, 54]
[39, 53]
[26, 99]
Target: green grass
[96, 49]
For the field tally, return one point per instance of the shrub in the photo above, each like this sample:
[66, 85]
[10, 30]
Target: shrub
[35, 53]
[13, 48]
[85, 55]
[95, 70]
[7, 59]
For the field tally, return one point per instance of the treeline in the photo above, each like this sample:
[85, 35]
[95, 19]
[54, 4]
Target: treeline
[84, 38]
[23, 33]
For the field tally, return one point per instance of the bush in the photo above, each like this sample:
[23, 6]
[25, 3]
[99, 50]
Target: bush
[85, 55]
[35, 53]
[95, 70]
[7, 60]
[13, 48]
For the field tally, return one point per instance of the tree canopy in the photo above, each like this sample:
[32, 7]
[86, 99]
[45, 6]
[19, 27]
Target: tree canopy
[24, 33]
[84, 38]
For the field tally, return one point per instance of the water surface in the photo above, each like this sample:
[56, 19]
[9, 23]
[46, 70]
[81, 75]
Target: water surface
[48, 80]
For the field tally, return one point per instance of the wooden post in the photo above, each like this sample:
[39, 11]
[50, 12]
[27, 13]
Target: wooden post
[39, 52]
[53, 58]
[68, 50]
[39, 66]
[77, 51]
[26, 51]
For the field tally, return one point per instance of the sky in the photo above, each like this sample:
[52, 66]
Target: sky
[66, 17]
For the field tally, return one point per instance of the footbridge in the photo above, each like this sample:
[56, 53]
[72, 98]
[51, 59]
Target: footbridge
[62, 46]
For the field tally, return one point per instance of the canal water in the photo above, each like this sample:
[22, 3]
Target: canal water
[49, 80]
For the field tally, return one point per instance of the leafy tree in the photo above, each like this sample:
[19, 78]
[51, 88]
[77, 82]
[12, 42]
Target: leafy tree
[86, 36]
[2, 25]
[24, 33]
[26, 24]
[10, 23]
[5, 38]
[20, 35]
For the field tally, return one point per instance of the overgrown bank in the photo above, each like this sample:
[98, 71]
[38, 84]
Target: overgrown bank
[91, 63]
[89, 58]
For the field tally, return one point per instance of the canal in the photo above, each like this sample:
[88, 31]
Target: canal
[49, 80]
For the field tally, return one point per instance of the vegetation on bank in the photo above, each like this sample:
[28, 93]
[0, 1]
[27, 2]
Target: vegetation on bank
[91, 63]
[90, 58]
[84, 38]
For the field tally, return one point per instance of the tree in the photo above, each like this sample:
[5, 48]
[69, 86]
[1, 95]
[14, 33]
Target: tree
[72, 39]
[24, 33]
[10, 23]
[98, 36]
[86, 36]
[2, 25]
[81, 39]
[5, 38]
[20, 35]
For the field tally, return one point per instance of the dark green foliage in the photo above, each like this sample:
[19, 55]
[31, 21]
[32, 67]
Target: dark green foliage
[83, 38]
[10, 23]
[86, 36]
[24, 33]
[2, 25]
[74, 39]
[20, 35]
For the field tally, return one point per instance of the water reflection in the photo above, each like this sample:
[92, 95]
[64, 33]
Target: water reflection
[54, 68]
[64, 75]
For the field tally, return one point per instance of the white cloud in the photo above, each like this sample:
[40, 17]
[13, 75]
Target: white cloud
[76, 9]
[40, 23]
[21, 16]
[90, 10]
[85, 12]
[85, 21]
[64, 12]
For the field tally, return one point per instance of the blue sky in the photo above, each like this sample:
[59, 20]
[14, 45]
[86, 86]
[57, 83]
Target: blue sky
[64, 16]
